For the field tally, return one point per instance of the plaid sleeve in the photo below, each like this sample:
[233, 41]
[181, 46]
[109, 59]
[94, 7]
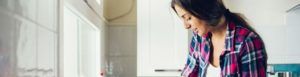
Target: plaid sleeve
[253, 57]
[191, 66]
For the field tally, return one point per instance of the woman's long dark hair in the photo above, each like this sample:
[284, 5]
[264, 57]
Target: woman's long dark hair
[210, 11]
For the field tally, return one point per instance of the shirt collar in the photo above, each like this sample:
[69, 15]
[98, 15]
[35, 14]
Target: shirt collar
[229, 38]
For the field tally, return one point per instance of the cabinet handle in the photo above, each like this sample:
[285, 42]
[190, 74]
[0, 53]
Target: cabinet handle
[35, 70]
[167, 70]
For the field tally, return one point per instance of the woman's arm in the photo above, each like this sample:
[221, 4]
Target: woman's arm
[191, 67]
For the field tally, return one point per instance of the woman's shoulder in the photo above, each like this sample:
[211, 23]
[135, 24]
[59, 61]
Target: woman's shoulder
[244, 33]
[246, 37]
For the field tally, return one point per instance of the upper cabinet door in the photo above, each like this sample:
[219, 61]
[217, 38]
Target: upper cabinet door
[89, 49]
[162, 39]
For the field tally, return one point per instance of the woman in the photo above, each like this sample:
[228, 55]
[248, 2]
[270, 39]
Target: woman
[223, 44]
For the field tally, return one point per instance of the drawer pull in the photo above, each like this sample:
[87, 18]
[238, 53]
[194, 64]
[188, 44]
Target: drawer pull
[167, 70]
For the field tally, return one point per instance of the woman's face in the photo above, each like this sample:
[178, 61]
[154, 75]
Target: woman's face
[192, 22]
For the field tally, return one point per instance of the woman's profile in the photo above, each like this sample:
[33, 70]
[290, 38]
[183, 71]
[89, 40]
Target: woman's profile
[223, 43]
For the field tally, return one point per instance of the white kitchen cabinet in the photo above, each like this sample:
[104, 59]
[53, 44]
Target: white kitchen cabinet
[89, 51]
[47, 13]
[70, 45]
[28, 38]
[26, 8]
[26, 48]
[162, 39]
[47, 40]
[46, 53]
[82, 45]
[36, 41]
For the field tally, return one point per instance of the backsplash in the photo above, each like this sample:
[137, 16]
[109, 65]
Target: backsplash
[122, 53]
